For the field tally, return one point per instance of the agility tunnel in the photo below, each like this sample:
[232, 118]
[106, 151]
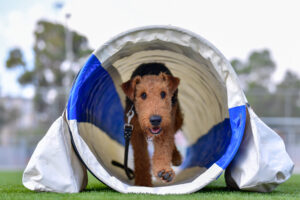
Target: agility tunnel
[91, 129]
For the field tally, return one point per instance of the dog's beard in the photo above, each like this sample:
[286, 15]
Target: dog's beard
[149, 137]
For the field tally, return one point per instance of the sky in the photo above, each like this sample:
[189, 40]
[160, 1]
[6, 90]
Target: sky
[235, 27]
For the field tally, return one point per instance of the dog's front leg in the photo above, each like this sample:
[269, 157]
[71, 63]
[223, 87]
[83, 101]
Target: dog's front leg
[141, 159]
[162, 157]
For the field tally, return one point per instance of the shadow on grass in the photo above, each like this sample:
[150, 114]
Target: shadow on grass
[214, 189]
[206, 190]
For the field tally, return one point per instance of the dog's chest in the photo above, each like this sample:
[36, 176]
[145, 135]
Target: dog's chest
[150, 147]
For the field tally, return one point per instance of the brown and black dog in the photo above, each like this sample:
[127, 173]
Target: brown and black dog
[152, 91]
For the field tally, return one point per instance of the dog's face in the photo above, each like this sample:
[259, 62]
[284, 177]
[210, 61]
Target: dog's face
[152, 98]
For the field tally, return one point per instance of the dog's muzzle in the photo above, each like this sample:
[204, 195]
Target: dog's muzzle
[155, 120]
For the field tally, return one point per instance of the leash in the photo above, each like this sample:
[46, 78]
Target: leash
[127, 135]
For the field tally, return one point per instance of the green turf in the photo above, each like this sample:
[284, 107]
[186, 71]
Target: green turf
[11, 188]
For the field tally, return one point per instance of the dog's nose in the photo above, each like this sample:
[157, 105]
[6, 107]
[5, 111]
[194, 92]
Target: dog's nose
[155, 120]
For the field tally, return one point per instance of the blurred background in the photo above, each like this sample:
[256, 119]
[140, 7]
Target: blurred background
[44, 43]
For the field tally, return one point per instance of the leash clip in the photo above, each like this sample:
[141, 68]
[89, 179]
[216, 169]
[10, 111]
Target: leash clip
[130, 115]
[127, 126]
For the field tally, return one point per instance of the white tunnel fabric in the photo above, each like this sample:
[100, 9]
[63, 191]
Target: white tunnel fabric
[134, 51]
[94, 117]
[262, 162]
[54, 166]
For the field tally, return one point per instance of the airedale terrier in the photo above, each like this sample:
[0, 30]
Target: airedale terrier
[152, 91]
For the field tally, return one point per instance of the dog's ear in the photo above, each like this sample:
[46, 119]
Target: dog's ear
[129, 87]
[173, 81]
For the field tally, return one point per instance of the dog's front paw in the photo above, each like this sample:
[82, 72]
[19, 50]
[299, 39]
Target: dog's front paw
[166, 175]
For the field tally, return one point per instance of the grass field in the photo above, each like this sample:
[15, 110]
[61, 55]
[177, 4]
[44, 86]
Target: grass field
[11, 188]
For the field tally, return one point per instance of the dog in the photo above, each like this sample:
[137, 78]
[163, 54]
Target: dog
[152, 92]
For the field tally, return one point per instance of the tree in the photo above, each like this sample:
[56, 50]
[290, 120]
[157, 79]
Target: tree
[2, 116]
[15, 59]
[48, 75]
[256, 72]
[255, 75]
[288, 95]
[7, 115]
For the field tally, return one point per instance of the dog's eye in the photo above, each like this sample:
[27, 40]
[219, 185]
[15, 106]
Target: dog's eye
[144, 95]
[163, 94]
